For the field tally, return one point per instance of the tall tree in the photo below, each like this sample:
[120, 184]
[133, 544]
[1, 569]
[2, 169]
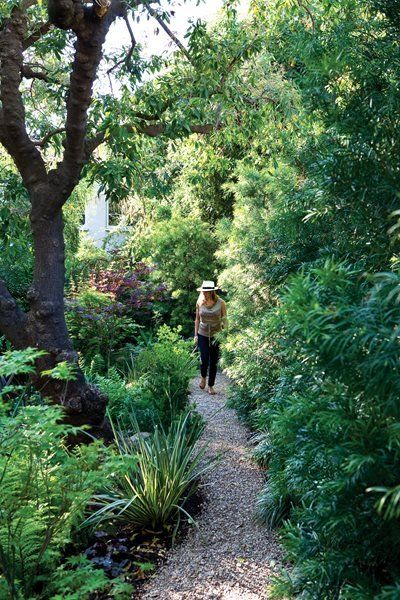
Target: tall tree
[58, 48]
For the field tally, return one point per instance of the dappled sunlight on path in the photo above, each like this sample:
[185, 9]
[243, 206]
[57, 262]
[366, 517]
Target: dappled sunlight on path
[228, 556]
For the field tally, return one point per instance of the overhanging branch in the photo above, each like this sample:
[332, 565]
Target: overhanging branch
[30, 73]
[167, 30]
[150, 129]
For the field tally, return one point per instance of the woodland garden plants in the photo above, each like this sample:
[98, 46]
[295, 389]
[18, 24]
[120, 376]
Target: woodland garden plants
[314, 349]
[159, 471]
[49, 490]
[264, 155]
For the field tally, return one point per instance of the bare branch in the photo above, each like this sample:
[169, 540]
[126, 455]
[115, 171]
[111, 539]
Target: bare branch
[41, 143]
[29, 73]
[128, 57]
[167, 30]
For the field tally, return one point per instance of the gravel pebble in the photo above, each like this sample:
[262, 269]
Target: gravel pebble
[227, 556]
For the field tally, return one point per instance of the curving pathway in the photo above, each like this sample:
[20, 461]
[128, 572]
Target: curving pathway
[228, 556]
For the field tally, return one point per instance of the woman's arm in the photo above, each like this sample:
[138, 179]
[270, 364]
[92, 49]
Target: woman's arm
[224, 318]
[196, 324]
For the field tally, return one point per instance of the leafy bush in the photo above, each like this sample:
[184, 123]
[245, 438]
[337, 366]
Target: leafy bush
[156, 476]
[132, 288]
[333, 440]
[168, 365]
[128, 400]
[153, 385]
[182, 250]
[98, 326]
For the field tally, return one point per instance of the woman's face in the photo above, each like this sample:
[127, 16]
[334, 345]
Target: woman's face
[208, 296]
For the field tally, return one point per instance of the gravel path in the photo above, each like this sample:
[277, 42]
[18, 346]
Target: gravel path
[228, 556]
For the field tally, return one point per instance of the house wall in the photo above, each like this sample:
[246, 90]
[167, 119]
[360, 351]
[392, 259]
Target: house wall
[96, 222]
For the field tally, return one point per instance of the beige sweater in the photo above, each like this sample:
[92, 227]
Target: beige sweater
[210, 319]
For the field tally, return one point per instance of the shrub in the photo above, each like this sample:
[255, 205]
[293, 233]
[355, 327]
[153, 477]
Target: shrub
[129, 400]
[182, 250]
[137, 294]
[168, 365]
[333, 439]
[98, 326]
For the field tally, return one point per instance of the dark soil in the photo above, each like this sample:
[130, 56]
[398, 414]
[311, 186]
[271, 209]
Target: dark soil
[134, 556]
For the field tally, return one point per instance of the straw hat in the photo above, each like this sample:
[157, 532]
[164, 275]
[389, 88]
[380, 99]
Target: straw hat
[207, 286]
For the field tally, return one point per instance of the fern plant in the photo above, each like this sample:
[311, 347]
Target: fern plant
[44, 491]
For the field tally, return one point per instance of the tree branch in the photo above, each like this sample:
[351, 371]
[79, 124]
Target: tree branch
[152, 130]
[167, 30]
[309, 12]
[158, 129]
[41, 143]
[13, 322]
[66, 14]
[29, 73]
[88, 53]
[128, 57]
[14, 136]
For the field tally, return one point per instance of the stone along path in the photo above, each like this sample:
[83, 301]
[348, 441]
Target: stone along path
[228, 556]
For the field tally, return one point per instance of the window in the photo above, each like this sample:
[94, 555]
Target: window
[113, 214]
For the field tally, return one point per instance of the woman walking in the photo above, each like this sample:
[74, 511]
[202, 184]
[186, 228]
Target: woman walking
[210, 319]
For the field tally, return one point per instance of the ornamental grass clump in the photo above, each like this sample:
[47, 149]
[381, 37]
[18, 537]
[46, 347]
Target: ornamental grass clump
[155, 476]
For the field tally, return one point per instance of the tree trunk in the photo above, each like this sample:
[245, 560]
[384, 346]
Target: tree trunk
[47, 329]
[44, 325]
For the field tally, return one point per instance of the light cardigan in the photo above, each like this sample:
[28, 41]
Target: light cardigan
[210, 319]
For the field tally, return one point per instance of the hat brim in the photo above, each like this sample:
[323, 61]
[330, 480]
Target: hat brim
[214, 289]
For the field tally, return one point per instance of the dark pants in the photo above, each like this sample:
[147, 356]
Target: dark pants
[209, 353]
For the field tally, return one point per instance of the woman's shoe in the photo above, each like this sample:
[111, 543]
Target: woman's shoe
[211, 391]
[202, 383]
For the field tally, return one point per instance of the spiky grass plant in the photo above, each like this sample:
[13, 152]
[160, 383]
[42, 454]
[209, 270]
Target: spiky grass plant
[155, 477]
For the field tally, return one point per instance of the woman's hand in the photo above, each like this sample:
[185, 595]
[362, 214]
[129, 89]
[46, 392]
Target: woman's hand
[196, 340]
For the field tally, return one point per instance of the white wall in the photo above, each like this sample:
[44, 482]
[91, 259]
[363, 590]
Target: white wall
[96, 221]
